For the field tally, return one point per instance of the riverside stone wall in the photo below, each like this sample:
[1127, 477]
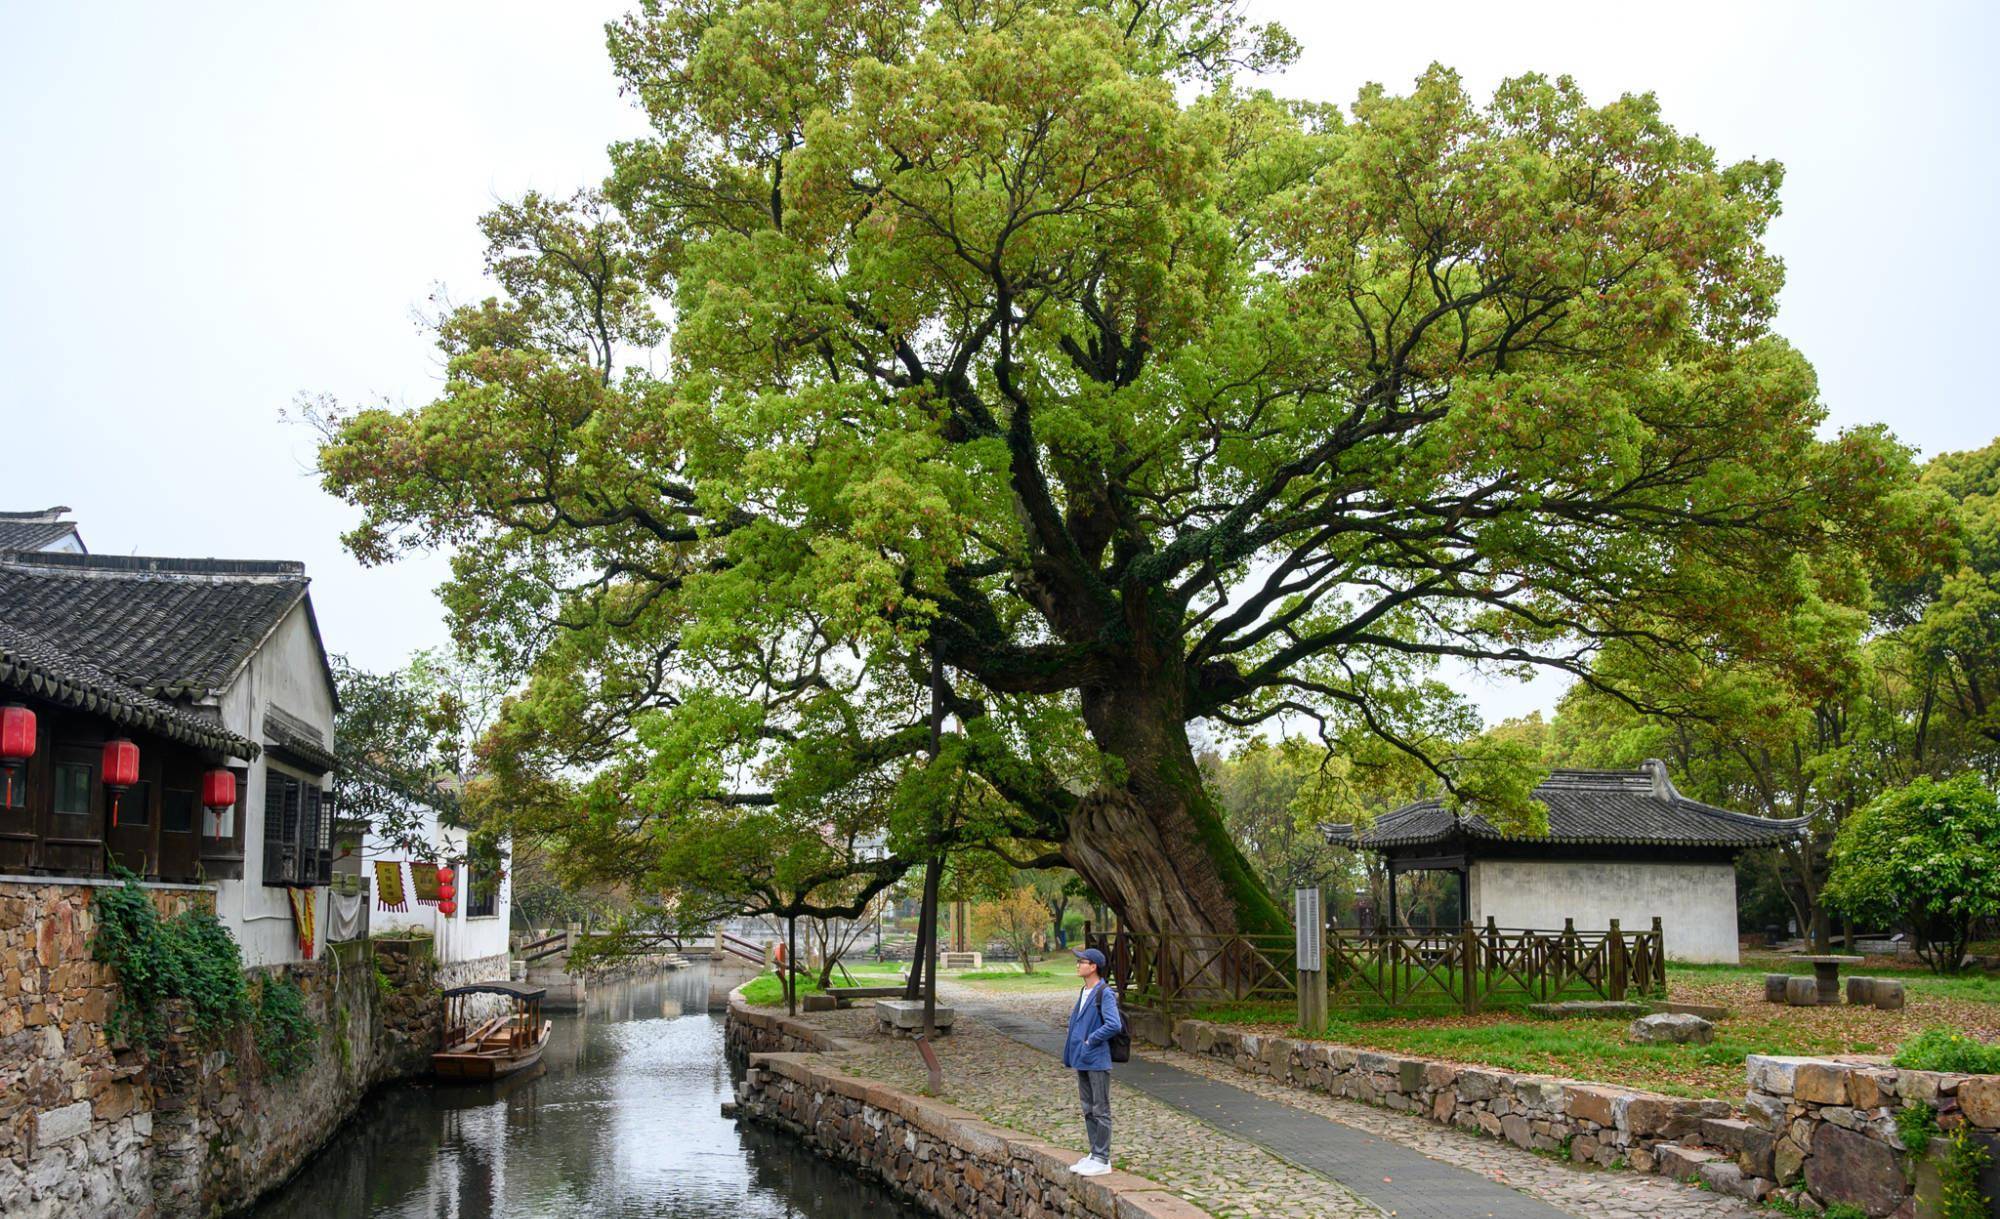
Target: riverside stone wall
[945, 1160]
[89, 1125]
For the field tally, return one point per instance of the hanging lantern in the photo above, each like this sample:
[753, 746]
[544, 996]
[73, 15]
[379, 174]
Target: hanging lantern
[445, 874]
[446, 891]
[218, 793]
[447, 907]
[17, 745]
[120, 770]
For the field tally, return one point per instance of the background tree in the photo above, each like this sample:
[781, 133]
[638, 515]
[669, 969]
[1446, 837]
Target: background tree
[1025, 342]
[1927, 857]
[1058, 889]
[1017, 920]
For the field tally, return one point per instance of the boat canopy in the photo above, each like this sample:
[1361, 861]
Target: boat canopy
[502, 986]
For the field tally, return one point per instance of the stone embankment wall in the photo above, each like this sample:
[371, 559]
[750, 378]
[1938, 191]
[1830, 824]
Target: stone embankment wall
[1597, 1123]
[91, 1126]
[943, 1159]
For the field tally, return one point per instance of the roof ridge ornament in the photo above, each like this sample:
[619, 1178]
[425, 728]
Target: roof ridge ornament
[1656, 770]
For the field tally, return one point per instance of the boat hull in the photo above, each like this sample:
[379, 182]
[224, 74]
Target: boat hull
[471, 1064]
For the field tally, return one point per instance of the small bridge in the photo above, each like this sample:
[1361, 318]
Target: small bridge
[732, 960]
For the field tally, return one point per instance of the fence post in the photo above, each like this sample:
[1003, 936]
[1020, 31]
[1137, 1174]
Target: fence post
[1659, 972]
[1618, 963]
[1468, 949]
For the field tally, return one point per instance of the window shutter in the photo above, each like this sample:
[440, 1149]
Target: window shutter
[277, 868]
[316, 840]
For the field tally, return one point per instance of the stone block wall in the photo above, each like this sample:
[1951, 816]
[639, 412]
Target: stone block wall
[1829, 1125]
[1596, 1123]
[945, 1160]
[92, 1126]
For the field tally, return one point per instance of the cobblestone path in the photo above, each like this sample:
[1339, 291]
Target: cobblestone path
[1015, 1086]
[1588, 1193]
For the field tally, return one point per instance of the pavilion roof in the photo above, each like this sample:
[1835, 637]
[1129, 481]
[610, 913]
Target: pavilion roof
[1637, 808]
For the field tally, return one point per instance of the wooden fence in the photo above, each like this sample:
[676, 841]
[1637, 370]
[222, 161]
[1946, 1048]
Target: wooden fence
[1467, 969]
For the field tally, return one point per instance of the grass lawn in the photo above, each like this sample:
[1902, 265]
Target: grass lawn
[1050, 975]
[1598, 1049]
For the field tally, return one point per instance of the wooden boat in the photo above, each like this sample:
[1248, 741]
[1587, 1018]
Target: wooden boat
[497, 1047]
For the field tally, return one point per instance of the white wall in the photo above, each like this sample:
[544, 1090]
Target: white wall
[286, 672]
[1695, 902]
[459, 937]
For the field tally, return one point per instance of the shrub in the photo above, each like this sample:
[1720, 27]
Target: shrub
[1941, 1049]
[189, 959]
[285, 1035]
[1926, 856]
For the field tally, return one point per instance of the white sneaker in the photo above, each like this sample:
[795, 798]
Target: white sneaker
[1080, 1165]
[1091, 1167]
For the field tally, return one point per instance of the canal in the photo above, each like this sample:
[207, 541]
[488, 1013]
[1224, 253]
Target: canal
[623, 1118]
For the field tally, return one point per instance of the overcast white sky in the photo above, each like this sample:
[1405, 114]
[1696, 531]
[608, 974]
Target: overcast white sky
[207, 209]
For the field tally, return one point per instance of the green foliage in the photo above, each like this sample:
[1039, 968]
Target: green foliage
[1926, 856]
[188, 962]
[384, 987]
[1942, 1049]
[286, 1037]
[1916, 1126]
[1025, 348]
[1843, 1210]
[1965, 1160]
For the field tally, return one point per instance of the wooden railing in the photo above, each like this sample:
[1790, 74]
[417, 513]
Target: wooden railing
[1468, 969]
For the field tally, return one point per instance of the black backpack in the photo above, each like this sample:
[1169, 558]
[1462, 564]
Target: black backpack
[1121, 1041]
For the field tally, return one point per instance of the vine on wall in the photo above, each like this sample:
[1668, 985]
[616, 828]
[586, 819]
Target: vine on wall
[189, 961]
[286, 1037]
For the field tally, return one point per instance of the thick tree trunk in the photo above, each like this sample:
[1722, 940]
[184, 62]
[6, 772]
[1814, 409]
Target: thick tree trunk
[1153, 846]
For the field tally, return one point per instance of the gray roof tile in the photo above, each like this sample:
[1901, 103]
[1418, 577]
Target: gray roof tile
[1596, 807]
[32, 665]
[168, 627]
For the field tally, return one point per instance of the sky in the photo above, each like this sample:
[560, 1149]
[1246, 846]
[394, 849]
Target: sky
[208, 210]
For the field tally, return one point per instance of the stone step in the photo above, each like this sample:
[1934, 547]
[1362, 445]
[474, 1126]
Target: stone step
[1679, 1162]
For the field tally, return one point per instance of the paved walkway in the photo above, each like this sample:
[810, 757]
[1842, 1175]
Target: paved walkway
[1400, 1163]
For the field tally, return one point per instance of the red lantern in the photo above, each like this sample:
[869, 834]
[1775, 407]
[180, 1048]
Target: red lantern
[447, 907]
[446, 891]
[218, 793]
[120, 770]
[445, 874]
[17, 745]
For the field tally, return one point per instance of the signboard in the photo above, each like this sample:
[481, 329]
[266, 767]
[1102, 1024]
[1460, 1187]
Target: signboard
[1307, 923]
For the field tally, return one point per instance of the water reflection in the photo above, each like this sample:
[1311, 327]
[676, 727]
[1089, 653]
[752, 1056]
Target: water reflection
[621, 1119]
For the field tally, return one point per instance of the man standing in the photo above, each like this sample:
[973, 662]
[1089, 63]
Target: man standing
[1093, 1022]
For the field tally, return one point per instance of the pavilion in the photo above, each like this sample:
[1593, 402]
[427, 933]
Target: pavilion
[1620, 845]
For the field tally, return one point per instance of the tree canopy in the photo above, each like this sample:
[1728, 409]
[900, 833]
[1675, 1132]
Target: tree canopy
[1026, 357]
[1926, 856]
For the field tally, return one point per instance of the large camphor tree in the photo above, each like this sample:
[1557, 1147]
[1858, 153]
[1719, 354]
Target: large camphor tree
[1021, 354]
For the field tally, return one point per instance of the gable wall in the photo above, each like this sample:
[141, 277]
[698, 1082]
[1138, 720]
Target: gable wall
[285, 672]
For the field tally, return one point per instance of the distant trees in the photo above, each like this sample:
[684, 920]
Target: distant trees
[1924, 856]
[1016, 919]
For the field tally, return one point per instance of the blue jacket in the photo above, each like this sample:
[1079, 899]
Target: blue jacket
[1091, 1028]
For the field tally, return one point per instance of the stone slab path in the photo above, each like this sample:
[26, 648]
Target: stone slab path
[1404, 1165]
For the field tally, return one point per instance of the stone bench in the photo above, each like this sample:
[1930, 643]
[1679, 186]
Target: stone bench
[845, 996]
[905, 1017]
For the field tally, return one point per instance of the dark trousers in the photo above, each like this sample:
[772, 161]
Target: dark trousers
[1094, 1087]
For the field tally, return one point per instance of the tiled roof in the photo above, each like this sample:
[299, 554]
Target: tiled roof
[169, 627]
[33, 665]
[1587, 807]
[34, 530]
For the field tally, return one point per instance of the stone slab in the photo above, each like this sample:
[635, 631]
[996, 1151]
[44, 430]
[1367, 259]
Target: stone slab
[908, 1014]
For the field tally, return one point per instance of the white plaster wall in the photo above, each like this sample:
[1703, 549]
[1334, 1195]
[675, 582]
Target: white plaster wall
[286, 671]
[1695, 902]
[459, 938]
